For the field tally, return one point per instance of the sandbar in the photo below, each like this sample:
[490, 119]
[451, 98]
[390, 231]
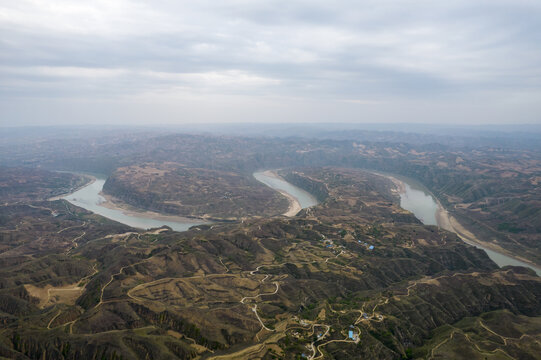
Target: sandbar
[448, 222]
[115, 204]
[294, 204]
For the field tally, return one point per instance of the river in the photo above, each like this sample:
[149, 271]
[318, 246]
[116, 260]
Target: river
[90, 199]
[417, 199]
[304, 198]
[414, 197]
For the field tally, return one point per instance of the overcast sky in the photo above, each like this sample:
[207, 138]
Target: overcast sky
[163, 62]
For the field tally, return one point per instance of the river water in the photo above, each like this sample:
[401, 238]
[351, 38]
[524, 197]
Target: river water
[90, 199]
[304, 198]
[417, 199]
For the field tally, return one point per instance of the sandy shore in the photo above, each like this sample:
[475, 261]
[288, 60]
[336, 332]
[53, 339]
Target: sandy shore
[450, 223]
[127, 209]
[444, 220]
[294, 204]
[447, 222]
[118, 205]
[400, 185]
[113, 204]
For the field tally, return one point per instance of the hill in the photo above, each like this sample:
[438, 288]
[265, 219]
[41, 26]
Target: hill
[266, 288]
[175, 189]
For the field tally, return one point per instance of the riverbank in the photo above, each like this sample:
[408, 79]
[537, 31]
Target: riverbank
[91, 180]
[90, 198]
[450, 223]
[113, 204]
[109, 203]
[447, 222]
[294, 204]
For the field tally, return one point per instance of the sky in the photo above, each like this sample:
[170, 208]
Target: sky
[173, 62]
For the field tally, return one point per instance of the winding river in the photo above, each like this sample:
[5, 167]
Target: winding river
[304, 198]
[90, 199]
[417, 199]
[414, 197]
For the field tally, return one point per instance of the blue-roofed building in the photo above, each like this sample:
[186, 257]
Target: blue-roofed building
[350, 334]
[371, 247]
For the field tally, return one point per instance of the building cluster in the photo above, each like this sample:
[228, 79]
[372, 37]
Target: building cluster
[353, 334]
[366, 245]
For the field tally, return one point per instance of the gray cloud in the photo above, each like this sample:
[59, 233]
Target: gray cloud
[322, 61]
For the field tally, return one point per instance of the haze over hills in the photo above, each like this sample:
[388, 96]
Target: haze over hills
[493, 187]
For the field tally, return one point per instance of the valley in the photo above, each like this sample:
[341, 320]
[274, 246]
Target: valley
[259, 288]
[491, 190]
[263, 180]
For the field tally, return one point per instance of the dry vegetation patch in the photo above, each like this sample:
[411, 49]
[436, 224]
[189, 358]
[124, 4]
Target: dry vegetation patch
[50, 295]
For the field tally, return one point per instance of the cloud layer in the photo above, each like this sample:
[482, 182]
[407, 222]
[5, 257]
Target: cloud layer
[167, 61]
